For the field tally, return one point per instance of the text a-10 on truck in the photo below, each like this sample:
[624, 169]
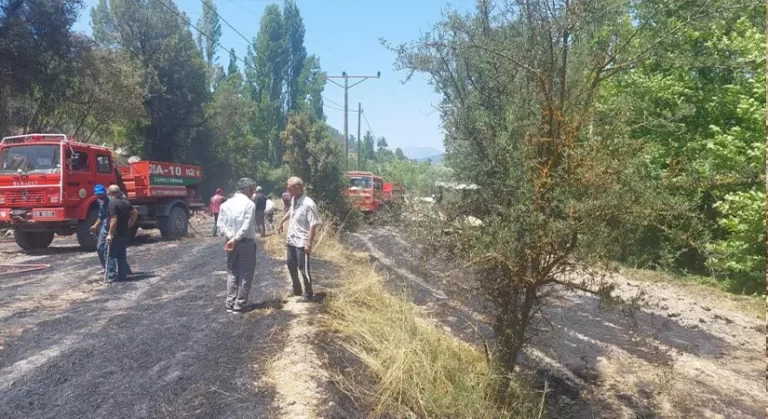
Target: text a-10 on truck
[41, 197]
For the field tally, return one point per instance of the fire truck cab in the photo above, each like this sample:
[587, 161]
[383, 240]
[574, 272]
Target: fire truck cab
[361, 191]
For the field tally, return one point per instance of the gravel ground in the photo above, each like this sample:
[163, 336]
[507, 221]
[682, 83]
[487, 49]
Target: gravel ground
[681, 355]
[158, 346]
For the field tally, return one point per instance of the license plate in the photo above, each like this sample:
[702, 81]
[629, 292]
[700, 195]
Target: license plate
[49, 214]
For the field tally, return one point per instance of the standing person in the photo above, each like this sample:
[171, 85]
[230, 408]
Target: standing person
[101, 226]
[237, 224]
[269, 213]
[215, 206]
[122, 216]
[286, 197]
[304, 219]
[261, 207]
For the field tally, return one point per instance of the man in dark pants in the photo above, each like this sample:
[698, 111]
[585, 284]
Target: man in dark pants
[101, 227]
[121, 218]
[304, 219]
[237, 223]
[261, 207]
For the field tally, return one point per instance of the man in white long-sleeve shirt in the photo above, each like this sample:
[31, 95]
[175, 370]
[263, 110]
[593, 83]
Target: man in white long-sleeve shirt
[237, 222]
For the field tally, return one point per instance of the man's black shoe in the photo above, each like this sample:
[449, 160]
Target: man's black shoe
[306, 299]
[238, 310]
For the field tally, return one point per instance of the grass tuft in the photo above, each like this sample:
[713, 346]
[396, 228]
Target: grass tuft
[420, 369]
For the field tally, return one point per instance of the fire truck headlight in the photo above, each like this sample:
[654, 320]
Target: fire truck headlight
[54, 199]
[2, 199]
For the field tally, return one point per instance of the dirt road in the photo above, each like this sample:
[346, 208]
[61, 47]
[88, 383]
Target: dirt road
[158, 346]
[682, 355]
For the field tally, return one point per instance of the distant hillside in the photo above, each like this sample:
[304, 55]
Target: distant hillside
[420, 153]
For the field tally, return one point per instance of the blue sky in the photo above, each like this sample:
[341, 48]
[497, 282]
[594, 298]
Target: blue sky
[345, 35]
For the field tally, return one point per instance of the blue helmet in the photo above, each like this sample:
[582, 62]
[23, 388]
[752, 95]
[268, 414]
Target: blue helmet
[99, 190]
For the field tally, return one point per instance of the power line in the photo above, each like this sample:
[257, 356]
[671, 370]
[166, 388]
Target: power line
[250, 42]
[333, 107]
[369, 125]
[245, 63]
[183, 18]
[330, 101]
[346, 88]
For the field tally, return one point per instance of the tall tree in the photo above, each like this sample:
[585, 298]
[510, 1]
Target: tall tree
[210, 32]
[369, 146]
[311, 86]
[208, 39]
[173, 72]
[381, 144]
[266, 74]
[232, 68]
[297, 55]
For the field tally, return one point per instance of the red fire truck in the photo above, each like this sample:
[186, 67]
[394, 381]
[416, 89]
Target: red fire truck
[361, 191]
[46, 188]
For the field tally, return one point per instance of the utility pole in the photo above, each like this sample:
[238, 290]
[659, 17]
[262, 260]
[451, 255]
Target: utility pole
[346, 88]
[359, 142]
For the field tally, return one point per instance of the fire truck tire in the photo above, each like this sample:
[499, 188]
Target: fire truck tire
[175, 225]
[30, 240]
[86, 239]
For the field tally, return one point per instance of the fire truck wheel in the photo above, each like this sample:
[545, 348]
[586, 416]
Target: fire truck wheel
[29, 240]
[84, 236]
[175, 225]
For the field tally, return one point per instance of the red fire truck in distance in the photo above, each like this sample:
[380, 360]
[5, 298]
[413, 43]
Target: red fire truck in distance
[368, 192]
[47, 181]
[360, 191]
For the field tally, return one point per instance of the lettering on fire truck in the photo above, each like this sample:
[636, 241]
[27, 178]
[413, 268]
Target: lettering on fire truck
[156, 169]
[25, 183]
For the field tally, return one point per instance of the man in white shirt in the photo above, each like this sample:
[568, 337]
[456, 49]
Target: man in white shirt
[269, 213]
[237, 222]
[304, 219]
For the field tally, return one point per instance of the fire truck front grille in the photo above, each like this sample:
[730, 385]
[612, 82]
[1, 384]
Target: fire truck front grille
[17, 197]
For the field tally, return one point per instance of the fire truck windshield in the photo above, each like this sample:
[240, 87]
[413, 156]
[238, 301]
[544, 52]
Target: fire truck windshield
[360, 182]
[30, 159]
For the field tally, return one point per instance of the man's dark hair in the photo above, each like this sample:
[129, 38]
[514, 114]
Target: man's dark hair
[244, 184]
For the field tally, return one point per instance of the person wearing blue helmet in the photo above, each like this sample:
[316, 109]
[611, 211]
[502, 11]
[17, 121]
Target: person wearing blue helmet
[101, 227]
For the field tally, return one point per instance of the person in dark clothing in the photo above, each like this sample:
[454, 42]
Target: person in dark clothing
[261, 205]
[121, 218]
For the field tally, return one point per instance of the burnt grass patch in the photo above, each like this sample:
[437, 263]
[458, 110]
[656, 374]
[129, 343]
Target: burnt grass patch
[164, 348]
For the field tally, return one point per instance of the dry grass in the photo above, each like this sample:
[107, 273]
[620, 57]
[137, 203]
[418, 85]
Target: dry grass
[751, 305]
[419, 369]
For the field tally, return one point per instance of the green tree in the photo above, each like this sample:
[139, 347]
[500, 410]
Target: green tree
[229, 115]
[172, 70]
[369, 143]
[519, 82]
[266, 75]
[232, 68]
[36, 46]
[208, 40]
[399, 154]
[312, 155]
[311, 85]
[700, 102]
[297, 55]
